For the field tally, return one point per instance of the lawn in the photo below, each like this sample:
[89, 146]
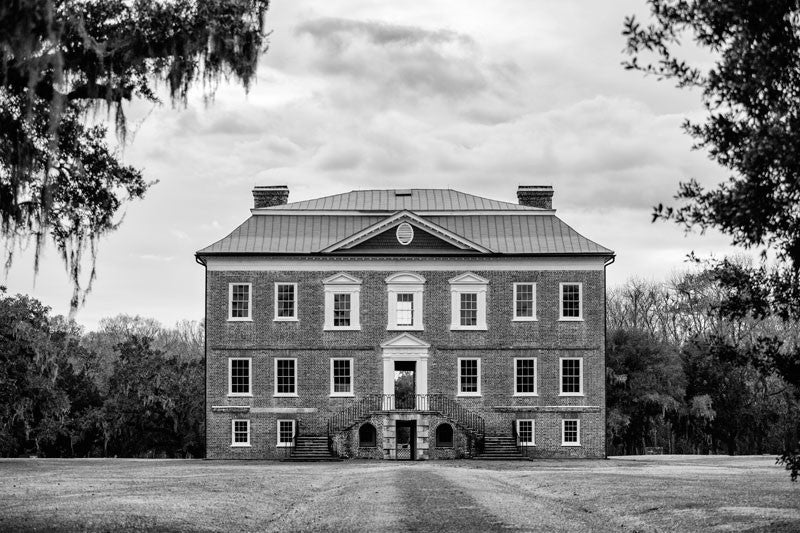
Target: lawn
[666, 493]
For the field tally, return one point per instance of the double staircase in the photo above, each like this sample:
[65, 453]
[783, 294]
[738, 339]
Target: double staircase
[308, 448]
[500, 448]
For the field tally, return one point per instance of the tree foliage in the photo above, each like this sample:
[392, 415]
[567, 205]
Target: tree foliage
[61, 61]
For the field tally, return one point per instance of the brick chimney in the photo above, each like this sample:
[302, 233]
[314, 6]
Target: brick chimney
[270, 195]
[536, 196]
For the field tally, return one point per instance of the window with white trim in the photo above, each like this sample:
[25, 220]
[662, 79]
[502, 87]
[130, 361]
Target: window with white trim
[524, 301]
[404, 292]
[285, 377]
[285, 301]
[240, 378]
[525, 376]
[240, 432]
[526, 432]
[342, 302]
[571, 376]
[468, 302]
[240, 301]
[342, 377]
[570, 432]
[469, 376]
[285, 433]
[571, 301]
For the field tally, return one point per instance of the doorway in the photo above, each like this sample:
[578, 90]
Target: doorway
[405, 384]
[406, 438]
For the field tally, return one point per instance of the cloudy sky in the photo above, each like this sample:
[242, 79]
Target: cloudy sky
[359, 94]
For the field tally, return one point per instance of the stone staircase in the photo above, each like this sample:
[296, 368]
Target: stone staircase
[500, 448]
[309, 448]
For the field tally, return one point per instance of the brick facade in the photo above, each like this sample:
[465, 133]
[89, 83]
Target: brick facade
[547, 339]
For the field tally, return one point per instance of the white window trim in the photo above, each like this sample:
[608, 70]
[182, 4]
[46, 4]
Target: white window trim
[563, 426]
[405, 283]
[275, 392]
[276, 318]
[278, 443]
[233, 434]
[342, 284]
[458, 369]
[561, 316]
[467, 283]
[561, 376]
[535, 376]
[249, 377]
[352, 378]
[249, 317]
[533, 432]
[514, 303]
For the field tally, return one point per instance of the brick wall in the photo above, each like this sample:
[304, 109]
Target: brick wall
[547, 339]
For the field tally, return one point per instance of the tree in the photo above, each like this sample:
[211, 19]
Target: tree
[61, 60]
[752, 129]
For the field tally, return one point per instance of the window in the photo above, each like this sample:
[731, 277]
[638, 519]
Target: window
[239, 378]
[342, 298]
[571, 305]
[367, 436]
[468, 302]
[341, 377]
[285, 377]
[285, 433]
[469, 309]
[469, 377]
[405, 309]
[524, 301]
[571, 377]
[240, 433]
[240, 301]
[525, 432]
[404, 291]
[444, 436]
[570, 432]
[525, 377]
[285, 301]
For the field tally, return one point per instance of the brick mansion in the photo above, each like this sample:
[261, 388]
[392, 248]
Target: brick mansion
[404, 324]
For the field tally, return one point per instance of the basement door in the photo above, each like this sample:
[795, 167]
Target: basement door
[406, 438]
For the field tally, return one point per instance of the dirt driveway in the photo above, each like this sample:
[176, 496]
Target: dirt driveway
[668, 493]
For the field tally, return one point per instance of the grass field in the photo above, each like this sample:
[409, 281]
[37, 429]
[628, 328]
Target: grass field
[666, 493]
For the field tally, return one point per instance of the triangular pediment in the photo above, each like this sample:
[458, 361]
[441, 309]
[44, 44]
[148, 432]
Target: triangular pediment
[427, 234]
[468, 279]
[405, 340]
[341, 279]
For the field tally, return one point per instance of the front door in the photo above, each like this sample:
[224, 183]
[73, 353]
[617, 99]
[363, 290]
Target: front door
[406, 437]
[405, 386]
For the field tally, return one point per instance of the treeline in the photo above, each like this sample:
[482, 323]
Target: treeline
[130, 389]
[684, 376]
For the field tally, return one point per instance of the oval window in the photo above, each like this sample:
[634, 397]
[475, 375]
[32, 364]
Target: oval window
[405, 233]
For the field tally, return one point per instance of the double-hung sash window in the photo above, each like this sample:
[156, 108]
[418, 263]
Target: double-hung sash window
[526, 434]
[240, 433]
[571, 376]
[468, 302]
[286, 429]
[469, 376]
[240, 301]
[342, 377]
[524, 301]
[404, 293]
[570, 432]
[285, 377]
[341, 310]
[571, 301]
[285, 301]
[525, 376]
[342, 297]
[239, 377]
